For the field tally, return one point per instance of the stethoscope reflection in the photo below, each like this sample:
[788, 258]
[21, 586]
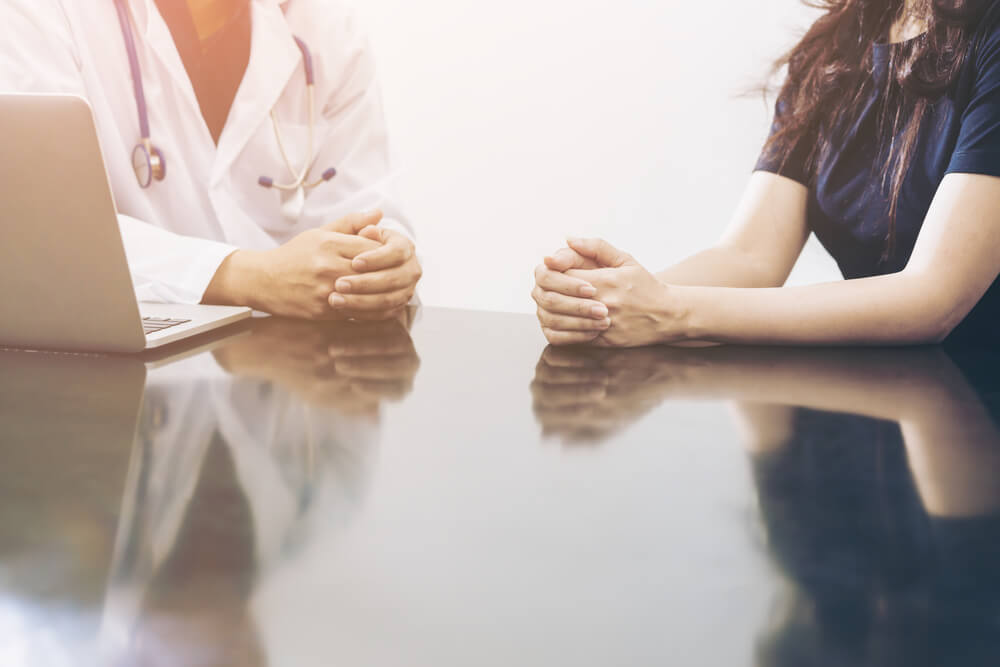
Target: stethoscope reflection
[235, 476]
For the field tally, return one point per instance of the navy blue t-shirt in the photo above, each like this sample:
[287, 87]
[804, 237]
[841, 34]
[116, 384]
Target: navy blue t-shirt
[848, 206]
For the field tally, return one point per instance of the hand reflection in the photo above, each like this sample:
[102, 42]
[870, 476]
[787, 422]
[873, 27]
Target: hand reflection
[348, 366]
[586, 395]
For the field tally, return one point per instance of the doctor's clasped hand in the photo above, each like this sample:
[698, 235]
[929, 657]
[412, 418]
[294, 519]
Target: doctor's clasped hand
[347, 269]
[241, 138]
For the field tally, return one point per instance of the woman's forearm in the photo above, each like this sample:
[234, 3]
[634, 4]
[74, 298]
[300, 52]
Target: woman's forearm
[720, 266]
[896, 309]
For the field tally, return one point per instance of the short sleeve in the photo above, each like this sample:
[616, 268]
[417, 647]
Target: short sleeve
[794, 165]
[977, 150]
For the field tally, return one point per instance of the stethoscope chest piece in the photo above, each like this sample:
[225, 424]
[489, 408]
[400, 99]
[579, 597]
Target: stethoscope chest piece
[148, 163]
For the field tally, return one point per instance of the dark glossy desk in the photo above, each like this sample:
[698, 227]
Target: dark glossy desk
[303, 495]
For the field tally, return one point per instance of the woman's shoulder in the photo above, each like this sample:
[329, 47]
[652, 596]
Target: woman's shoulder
[987, 33]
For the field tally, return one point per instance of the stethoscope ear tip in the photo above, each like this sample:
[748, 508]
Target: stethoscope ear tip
[266, 182]
[329, 173]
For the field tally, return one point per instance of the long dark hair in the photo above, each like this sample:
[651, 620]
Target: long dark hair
[829, 75]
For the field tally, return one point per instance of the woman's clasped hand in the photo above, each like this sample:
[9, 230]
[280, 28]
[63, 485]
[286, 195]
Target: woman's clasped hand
[592, 293]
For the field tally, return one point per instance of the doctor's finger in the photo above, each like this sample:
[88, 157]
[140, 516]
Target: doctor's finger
[569, 323]
[378, 368]
[355, 222]
[348, 246]
[555, 281]
[371, 316]
[384, 390]
[388, 301]
[396, 249]
[373, 348]
[560, 304]
[377, 282]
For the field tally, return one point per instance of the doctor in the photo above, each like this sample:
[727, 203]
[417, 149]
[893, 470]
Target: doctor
[245, 144]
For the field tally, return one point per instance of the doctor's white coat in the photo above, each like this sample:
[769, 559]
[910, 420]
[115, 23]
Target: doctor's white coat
[178, 232]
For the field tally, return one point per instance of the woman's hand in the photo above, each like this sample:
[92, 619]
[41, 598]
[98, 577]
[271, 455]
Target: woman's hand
[640, 309]
[587, 395]
[567, 310]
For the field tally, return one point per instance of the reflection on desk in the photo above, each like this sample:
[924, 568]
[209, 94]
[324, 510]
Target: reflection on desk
[877, 474]
[301, 495]
[242, 457]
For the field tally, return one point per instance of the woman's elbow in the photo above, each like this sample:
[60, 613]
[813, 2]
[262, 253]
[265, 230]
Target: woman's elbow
[931, 306]
[941, 322]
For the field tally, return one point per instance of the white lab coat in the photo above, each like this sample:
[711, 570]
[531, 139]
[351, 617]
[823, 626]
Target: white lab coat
[279, 447]
[177, 232]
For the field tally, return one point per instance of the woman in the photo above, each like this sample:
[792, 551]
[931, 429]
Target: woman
[886, 145]
[238, 182]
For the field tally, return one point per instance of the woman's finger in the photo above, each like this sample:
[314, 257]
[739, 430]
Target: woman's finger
[565, 259]
[570, 323]
[560, 304]
[554, 281]
[554, 375]
[569, 337]
[549, 395]
[555, 357]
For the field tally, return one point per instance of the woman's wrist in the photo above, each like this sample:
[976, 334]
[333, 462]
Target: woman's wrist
[678, 315]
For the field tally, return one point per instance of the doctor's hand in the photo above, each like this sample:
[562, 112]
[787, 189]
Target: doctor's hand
[296, 279]
[386, 276]
[350, 367]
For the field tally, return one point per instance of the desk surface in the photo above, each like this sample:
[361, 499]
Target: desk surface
[302, 494]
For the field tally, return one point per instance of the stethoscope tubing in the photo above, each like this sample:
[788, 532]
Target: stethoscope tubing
[133, 63]
[151, 156]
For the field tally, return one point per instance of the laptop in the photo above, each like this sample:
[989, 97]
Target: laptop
[64, 278]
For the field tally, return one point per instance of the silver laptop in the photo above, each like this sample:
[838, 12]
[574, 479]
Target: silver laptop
[64, 279]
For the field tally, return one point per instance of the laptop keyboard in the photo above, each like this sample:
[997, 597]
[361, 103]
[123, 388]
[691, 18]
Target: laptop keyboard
[154, 324]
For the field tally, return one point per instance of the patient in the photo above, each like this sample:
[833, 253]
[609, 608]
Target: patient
[886, 145]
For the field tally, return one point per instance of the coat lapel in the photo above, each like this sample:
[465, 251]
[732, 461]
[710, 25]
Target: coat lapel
[156, 34]
[274, 58]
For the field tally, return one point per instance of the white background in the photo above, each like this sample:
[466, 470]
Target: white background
[519, 123]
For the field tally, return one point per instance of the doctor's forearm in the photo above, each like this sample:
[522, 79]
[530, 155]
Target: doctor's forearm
[884, 310]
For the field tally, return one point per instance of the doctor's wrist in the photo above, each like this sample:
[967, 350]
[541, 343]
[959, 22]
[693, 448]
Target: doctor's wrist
[235, 281]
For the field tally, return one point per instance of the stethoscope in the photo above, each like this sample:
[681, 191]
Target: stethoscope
[148, 161]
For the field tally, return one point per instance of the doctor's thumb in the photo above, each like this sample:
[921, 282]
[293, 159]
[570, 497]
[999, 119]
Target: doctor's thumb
[355, 222]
